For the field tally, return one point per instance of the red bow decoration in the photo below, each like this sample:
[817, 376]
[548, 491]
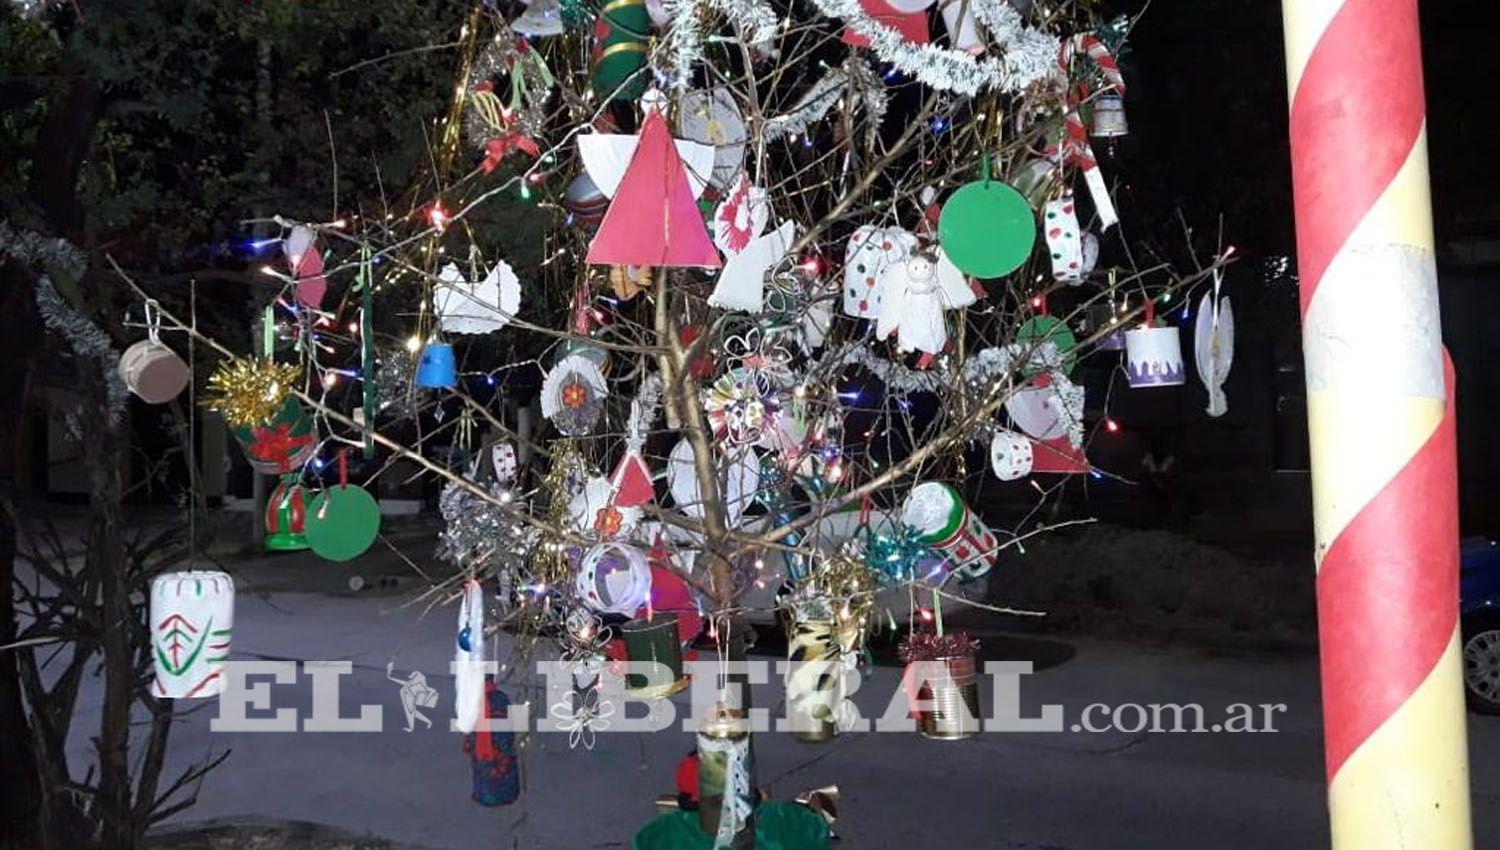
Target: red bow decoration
[496, 149]
[276, 444]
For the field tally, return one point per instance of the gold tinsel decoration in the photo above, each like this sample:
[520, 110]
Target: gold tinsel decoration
[250, 392]
[568, 470]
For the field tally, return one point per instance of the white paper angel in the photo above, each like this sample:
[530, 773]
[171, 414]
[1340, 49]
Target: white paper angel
[870, 251]
[741, 216]
[742, 281]
[477, 307]
[1213, 348]
[607, 155]
[914, 295]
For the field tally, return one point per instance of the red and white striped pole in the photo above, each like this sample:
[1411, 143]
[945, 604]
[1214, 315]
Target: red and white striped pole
[1380, 417]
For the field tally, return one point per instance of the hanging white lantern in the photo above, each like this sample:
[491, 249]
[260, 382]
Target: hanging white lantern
[1153, 357]
[614, 578]
[192, 614]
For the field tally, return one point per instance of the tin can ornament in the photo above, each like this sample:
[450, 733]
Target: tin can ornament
[1109, 117]
[814, 679]
[654, 640]
[149, 368]
[1153, 354]
[942, 684]
[945, 522]
[192, 616]
[726, 799]
[286, 515]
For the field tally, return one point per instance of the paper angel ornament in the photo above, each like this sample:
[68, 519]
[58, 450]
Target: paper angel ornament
[573, 395]
[742, 282]
[738, 474]
[306, 262]
[477, 307]
[606, 156]
[468, 659]
[741, 216]
[594, 510]
[711, 117]
[1213, 348]
[653, 219]
[913, 297]
[870, 251]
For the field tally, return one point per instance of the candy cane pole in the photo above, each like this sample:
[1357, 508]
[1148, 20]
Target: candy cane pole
[1380, 417]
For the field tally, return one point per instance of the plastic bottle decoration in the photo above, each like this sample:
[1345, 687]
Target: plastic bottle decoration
[653, 219]
[711, 117]
[945, 522]
[192, 616]
[284, 442]
[497, 773]
[654, 640]
[573, 394]
[1213, 347]
[286, 515]
[1010, 455]
[342, 522]
[1109, 117]
[477, 307]
[468, 659]
[870, 251]
[725, 798]
[541, 18]
[987, 228]
[1153, 354]
[620, 45]
[813, 679]
[150, 369]
[1064, 243]
[437, 369]
[614, 578]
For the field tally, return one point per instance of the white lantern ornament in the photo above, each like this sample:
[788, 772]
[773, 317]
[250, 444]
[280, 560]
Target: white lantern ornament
[1153, 355]
[192, 616]
[614, 578]
[1010, 455]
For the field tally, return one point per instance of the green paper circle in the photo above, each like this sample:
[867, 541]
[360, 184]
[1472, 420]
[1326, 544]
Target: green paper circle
[987, 229]
[342, 522]
[1039, 329]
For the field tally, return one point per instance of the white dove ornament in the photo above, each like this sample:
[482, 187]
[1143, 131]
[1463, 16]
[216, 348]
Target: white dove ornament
[477, 307]
[1213, 349]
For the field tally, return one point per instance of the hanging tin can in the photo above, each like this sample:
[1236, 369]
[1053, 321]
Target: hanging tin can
[286, 515]
[1153, 357]
[813, 679]
[726, 800]
[654, 640]
[1109, 117]
[953, 699]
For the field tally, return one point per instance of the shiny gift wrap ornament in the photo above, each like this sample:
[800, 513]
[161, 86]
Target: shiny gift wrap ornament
[192, 617]
[250, 392]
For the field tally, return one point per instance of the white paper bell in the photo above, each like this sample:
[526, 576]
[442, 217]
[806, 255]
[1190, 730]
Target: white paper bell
[1153, 357]
[1213, 349]
[1010, 455]
[192, 618]
[614, 578]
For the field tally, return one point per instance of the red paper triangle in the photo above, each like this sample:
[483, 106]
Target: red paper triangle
[653, 219]
[1057, 456]
[632, 482]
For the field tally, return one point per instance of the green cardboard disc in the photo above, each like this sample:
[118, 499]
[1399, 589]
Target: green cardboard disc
[987, 229]
[1038, 329]
[342, 522]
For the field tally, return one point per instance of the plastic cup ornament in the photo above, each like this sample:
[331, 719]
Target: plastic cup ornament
[1153, 357]
[285, 441]
[945, 522]
[286, 515]
[614, 578]
[150, 369]
[987, 228]
[1010, 455]
[192, 616]
[437, 368]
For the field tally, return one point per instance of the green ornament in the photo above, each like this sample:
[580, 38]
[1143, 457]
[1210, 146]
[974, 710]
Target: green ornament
[1039, 329]
[621, 36]
[987, 229]
[342, 522]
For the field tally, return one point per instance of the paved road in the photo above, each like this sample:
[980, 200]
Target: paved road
[1067, 791]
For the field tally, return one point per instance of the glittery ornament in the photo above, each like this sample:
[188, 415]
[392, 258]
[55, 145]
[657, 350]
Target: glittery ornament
[249, 392]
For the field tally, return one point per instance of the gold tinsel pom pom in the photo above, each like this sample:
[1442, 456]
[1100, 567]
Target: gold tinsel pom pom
[249, 392]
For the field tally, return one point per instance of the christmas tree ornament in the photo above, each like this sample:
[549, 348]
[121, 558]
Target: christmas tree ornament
[286, 515]
[468, 659]
[1010, 455]
[654, 640]
[814, 679]
[476, 307]
[652, 219]
[192, 619]
[739, 479]
[742, 281]
[497, 770]
[573, 394]
[1064, 243]
[607, 157]
[621, 41]
[437, 368]
[947, 524]
[912, 306]
[1213, 347]
[942, 682]
[711, 117]
[907, 17]
[1046, 343]
[585, 202]
[614, 578]
[342, 522]
[594, 511]
[741, 216]
[250, 392]
[726, 799]
[740, 406]
[306, 261]
[285, 441]
[868, 254]
[1050, 406]
[541, 18]
[1109, 117]
[987, 228]
[1153, 353]
[150, 369]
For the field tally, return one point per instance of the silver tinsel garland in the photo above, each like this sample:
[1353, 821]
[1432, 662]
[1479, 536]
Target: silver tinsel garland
[754, 20]
[856, 79]
[478, 532]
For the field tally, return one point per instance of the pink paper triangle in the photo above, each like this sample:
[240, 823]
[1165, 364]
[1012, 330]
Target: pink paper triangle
[308, 271]
[632, 482]
[1057, 456]
[653, 219]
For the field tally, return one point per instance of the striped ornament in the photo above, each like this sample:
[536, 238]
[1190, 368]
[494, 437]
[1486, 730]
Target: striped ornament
[1380, 418]
[813, 679]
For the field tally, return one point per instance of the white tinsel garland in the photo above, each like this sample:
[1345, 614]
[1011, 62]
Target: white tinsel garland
[895, 376]
[1026, 56]
[755, 20]
[856, 78]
